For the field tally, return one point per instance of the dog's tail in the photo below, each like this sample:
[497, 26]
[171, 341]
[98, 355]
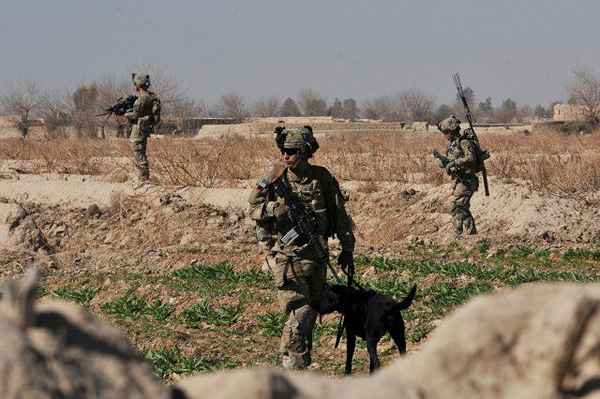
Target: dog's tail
[406, 302]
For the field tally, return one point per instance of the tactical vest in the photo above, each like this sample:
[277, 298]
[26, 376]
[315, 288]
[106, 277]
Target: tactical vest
[310, 193]
[455, 151]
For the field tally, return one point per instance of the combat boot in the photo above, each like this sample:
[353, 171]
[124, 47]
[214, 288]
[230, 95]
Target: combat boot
[469, 225]
[296, 361]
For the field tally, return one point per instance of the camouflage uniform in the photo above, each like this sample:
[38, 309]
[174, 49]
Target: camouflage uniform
[462, 155]
[143, 117]
[300, 268]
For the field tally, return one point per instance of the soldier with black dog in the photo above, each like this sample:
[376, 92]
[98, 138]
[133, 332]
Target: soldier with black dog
[297, 206]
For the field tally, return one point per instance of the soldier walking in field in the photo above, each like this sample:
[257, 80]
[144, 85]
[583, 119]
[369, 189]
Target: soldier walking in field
[143, 117]
[297, 206]
[461, 163]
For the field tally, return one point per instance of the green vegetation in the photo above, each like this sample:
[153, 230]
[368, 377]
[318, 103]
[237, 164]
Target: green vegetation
[217, 279]
[82, 296]
[444, 285]
[161, 311]
[225, 315]
[230, 312]
[271, 323]
[172, 361]
[128, 306]
[574, 254]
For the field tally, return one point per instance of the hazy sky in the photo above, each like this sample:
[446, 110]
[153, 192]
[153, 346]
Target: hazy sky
[523, 49]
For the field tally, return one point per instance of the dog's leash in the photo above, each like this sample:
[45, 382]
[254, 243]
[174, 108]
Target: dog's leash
[350, 281]
[342, 322]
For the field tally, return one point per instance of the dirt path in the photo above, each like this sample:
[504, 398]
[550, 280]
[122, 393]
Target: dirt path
[83, 191]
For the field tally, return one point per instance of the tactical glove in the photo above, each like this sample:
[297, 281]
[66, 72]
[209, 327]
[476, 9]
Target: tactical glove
[346, 261]
[276, 209]
[451, 167]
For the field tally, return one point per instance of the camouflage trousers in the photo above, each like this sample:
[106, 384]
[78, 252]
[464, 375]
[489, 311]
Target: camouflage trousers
[300, 283]
[461, 204]
[139, 141]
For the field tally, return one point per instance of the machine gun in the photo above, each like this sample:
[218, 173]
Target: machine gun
[463, 98]
[121, 107]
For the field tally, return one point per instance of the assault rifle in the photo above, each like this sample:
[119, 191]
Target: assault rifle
[300, 223]
[121, 107]
[463, 98]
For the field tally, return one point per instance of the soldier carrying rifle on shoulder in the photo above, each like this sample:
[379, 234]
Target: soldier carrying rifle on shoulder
[464, 159]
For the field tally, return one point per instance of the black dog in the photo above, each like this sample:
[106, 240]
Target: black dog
[368, 315]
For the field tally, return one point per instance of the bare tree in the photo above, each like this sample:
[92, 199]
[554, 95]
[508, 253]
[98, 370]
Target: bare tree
[525, 113]
[184, 110]
[232, 106]
[312, 103]
[584, 90]
[442, 112]
[350, 109]
[337, 109]
[165, 86]
[56, 109]
[266, 106]
[85, 101]
[289, 108]
[415, 105]
[110, 89]
[21, 103]
[459, 108]
[507, 112]
[384, 107]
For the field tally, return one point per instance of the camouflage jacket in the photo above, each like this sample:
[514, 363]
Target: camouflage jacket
[146, 112]
[462, 151]
[318, 190]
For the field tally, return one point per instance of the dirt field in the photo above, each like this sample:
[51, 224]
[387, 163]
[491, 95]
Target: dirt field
[176, 266]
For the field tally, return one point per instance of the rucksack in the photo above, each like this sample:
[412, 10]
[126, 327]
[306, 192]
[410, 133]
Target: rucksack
[480, 154]
[156, 108]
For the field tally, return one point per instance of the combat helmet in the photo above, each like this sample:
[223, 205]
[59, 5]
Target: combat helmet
[141, 80]
[302, 139]
[449, 125]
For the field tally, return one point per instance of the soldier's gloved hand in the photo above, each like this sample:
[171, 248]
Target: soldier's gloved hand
[276, 209]
[346, 260]
[451, 167]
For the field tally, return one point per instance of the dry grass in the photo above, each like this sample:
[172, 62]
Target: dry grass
[559, 163]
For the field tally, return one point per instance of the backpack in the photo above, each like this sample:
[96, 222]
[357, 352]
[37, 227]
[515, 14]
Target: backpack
[155, 109]
[480, 153]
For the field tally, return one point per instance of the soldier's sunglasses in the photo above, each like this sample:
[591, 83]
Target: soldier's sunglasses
[289, 151]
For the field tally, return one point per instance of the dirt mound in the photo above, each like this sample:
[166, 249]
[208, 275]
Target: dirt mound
[514, 212]
[58, 350]
[142, 233]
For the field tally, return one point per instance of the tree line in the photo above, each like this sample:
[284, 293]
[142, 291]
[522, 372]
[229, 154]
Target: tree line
[26, 103]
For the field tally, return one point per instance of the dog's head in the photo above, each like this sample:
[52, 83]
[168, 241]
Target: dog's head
[335, 297]
[329, 302]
